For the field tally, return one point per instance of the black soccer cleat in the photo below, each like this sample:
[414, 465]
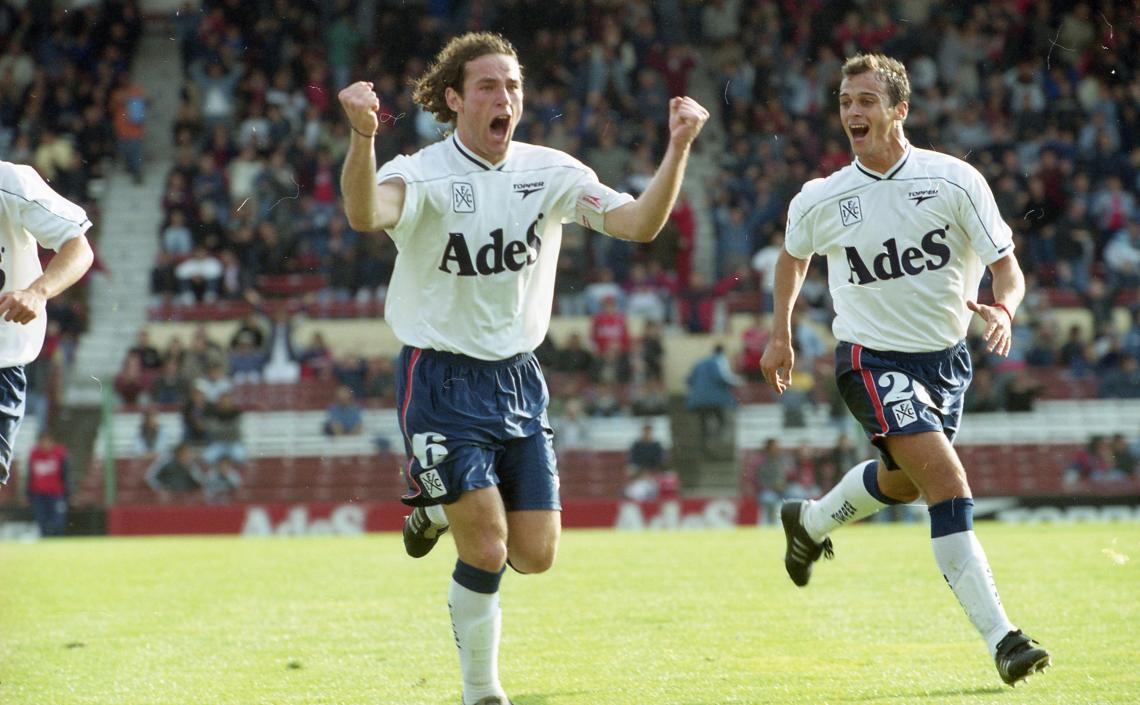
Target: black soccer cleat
[802, 551]
[420, 534]
[1017, 658]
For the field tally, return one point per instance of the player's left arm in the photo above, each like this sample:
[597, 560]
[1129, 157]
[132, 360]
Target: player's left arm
[642, 219]
[69, 264]
[1009, 290]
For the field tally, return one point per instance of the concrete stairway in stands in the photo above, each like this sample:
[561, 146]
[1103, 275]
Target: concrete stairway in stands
[128, 240]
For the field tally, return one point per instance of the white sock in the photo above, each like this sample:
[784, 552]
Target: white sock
[436, 514]
[477, 622]
[846, 502]
[963, 563]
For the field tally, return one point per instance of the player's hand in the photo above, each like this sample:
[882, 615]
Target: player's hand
[686, 118]
[362, 106]
[776, 364]
[21, 306]
[999, 327]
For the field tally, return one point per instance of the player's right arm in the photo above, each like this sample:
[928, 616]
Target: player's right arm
[779, 358]
[369, 206]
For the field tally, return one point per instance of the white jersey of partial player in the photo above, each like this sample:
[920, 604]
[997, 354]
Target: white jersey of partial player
[31, 214]
[904, 248]
[478, 244]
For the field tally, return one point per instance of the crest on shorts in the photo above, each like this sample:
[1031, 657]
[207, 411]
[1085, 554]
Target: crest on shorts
[904, 413]
[432, 483]
[462, 197]
[851, 211]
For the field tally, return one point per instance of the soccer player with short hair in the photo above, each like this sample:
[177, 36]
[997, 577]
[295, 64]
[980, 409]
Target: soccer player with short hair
[477, 222]
[31, 215]
[906, 232]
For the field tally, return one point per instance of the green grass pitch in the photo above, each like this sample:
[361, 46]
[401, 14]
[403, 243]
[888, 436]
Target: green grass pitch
[649, 618]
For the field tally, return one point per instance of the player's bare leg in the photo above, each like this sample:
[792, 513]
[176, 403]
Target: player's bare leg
[934, 467]
[532, 539]
[479, 524]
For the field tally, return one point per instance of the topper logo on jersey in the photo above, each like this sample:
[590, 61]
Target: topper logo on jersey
[890, 264]
[529, 187]
[494, 257]
[922, 195]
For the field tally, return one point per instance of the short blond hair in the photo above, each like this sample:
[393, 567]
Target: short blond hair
[447, 70]
[890, 71]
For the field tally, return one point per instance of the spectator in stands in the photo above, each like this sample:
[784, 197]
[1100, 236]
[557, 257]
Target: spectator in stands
[571, 428]
[643, 298]
[603, 288]
[641, 487]
[753, 340]
[222, 420]
[199, 276]
[378, 376]
[316, 358]
[1073, 354]
[246, 362]
[1123, 381]
[169, 387]
[649, 398]
[710, 394]
[48, 484]
[146, 351]
[220, 480]
[771, 480]
[983, 397]
[1021, 391]
[176, 237]
[1124, 457]
[281, 365]
[153, 438]
[132, 384]
[1093, 463]
[574, 357]
[175, 475]
[203, 353]
[609, 329]
[652, 346]
[647, 454]
[214, 383]
[344, 416]
[128, 106]
[195, 429]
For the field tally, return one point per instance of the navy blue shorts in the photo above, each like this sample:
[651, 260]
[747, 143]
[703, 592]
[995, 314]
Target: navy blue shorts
[893, 393]
[13, 386]
[470, 424]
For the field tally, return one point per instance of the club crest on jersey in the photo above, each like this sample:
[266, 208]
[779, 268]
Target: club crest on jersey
[851, 211]
[922, 195]
[462, 197]
[529, 187]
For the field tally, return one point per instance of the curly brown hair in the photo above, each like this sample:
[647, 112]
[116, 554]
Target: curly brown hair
[890, 71]
[447, 70]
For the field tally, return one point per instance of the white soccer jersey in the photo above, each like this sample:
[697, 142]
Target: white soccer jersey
[478, 244]
[904, 249]
[30, 213]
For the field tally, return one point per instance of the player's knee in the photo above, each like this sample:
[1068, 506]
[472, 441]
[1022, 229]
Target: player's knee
[489, 555]
[534, 559]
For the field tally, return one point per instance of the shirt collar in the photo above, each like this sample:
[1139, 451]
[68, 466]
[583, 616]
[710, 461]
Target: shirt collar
[470, 155]
[889, 173]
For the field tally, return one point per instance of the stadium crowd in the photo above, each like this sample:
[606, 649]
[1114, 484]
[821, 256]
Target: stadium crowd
[1039, 96]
